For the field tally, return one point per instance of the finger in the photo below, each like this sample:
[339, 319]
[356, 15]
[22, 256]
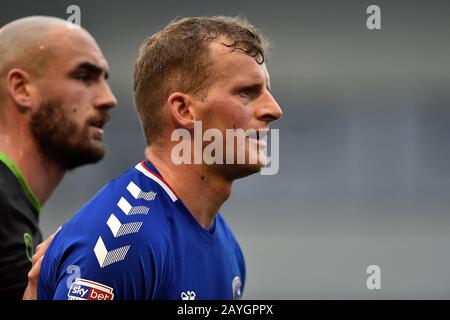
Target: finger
[37, 255]
[33, 279]
[33, 274]
[44, 245]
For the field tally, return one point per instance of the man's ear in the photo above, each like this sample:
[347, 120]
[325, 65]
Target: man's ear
[20, 89]
[181, 111]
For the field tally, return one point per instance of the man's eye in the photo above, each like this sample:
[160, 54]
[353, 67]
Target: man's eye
[85, 78]
[248, 91]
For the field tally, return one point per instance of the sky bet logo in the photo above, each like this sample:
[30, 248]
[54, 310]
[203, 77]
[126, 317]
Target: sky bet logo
[83, 289]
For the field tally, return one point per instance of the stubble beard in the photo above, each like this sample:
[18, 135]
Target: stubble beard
[56, 136]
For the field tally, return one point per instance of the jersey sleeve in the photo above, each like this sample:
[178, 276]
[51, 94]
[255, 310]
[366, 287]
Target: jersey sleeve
[80, 275]
[104, 254]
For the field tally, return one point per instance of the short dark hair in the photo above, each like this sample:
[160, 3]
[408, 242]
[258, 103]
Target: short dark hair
[177, 58]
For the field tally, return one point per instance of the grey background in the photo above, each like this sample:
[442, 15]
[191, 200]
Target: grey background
[364, 167]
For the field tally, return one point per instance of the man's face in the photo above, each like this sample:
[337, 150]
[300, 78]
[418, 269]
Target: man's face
[238, 98]
[74, 102]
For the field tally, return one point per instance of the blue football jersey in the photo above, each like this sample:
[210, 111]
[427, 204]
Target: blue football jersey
[137, 240]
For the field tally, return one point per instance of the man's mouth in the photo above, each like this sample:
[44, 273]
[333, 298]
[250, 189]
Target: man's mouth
[258, 134]
[99, 123]
[258, 137]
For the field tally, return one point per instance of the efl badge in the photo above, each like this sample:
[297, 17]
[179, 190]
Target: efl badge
[82, 289]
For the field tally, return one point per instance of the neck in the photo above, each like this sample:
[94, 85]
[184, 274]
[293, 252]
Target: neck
[202, 191]
[41, 174]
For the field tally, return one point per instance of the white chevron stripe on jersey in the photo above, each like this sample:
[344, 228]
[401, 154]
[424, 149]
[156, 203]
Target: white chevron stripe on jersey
[155, 178]
[130, 210]
[105, 257]
[137, 193]
[118, 229]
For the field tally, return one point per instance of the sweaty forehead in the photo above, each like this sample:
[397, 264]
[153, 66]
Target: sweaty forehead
[73, 48]
[38, 43]
[236, 65]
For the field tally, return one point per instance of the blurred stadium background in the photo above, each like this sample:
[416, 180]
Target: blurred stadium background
[364, 166]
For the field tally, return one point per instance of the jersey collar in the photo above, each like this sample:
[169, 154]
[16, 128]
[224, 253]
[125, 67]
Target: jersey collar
[151, 172]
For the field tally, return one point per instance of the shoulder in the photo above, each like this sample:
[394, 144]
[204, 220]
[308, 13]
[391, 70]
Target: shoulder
[122, 233]
[6, 194]
[14, 203]
[126, 220]
[132, 197]
[8, 185]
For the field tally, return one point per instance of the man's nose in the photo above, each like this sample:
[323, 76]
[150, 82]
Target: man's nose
[270, 110]
[106, 100]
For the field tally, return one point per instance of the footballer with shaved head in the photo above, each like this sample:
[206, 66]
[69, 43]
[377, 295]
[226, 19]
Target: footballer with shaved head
[54, 103]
